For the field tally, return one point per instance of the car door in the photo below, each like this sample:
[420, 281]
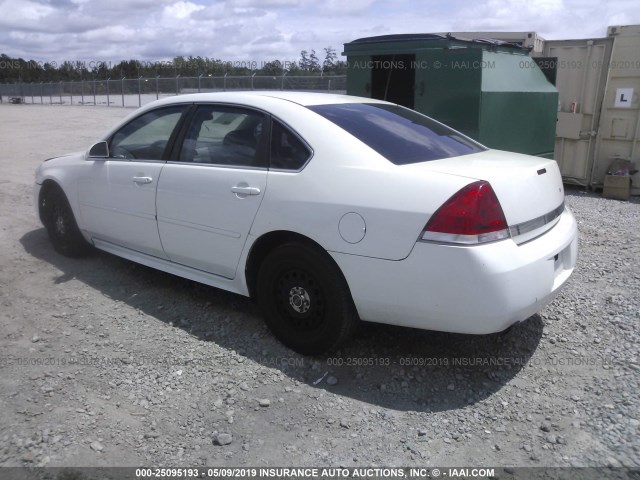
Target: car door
[117, 195]
[209, 194]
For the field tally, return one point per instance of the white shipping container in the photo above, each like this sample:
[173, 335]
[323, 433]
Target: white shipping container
[599, 110]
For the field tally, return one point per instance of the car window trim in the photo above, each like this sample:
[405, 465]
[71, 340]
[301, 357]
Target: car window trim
[215, 165]
[130, 160]
[180, 137]
[178, 132]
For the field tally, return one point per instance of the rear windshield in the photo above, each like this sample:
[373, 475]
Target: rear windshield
[400, 135]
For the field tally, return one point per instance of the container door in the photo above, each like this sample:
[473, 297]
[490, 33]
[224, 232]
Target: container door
[393, 79]
[580, 80]
[619, 134]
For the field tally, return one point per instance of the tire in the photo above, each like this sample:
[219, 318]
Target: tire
[305, 299]
[61, 225]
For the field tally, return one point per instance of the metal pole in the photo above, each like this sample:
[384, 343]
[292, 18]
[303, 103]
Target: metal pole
[224, 82]
[82, 91]
[139, 94]
[177, 86]
[41, 93]
[122, 90]
[199, 77]
[252, 80]
[61, 92]
[108, 101]
[50, 93]
[94, 92]
[157, 88]
[71, 93]
[329, 85]
[31, 87]
[282, 83]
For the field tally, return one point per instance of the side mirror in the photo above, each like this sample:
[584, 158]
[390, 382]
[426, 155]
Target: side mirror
[99, 150]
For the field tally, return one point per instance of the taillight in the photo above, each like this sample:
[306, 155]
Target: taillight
[471, 216]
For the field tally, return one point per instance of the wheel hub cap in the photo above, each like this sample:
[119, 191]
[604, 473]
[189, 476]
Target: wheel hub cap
[299, 299]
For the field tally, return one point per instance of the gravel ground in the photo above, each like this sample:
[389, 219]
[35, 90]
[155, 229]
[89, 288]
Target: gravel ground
[105, 362]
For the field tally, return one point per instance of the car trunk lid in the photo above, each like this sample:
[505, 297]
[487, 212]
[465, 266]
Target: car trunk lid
[529, 188]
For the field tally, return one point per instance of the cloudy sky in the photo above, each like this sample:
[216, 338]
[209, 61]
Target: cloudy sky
[233, 30]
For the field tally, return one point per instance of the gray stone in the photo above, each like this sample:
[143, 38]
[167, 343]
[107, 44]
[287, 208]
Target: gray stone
[222, 439]
[96, 446]
[331, 380]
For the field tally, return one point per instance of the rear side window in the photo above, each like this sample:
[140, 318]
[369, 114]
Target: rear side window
[223, 135]
[400, 135]
[288, 152]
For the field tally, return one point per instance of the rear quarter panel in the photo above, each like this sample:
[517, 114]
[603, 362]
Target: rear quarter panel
[343, 176]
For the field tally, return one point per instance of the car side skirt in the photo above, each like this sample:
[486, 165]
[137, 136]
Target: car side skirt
[234, 286]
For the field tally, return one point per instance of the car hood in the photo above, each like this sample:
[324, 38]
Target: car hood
[74, 154]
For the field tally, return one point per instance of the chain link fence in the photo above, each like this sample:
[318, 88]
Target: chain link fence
[135, 92]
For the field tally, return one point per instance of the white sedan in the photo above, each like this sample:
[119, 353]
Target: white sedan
[326, 209]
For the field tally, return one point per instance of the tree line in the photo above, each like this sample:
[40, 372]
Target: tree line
[14, 70]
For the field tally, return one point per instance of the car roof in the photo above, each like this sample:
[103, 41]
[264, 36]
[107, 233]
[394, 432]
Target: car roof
[300, 98]
[314, 98]
[256, 98]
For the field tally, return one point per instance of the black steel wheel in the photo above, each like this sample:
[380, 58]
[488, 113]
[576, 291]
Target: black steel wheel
[305, 299]
[58, 219]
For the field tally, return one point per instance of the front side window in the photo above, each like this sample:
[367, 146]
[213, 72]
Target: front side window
[146, 137]
[400, 135]
[288, 152]
[225, 136]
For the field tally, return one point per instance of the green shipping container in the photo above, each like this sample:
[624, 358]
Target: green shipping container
[491, 91]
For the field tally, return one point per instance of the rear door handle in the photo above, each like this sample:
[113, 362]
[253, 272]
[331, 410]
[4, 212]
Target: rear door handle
[245, 190]
[140, 180]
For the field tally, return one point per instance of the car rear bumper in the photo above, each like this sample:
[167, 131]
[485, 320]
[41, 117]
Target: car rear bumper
[478, 289]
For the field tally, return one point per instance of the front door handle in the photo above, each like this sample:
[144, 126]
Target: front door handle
[242, 190]
[140, 180]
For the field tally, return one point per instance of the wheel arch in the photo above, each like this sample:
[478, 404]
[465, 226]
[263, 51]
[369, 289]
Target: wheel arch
[48, 185]
[271, 240]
